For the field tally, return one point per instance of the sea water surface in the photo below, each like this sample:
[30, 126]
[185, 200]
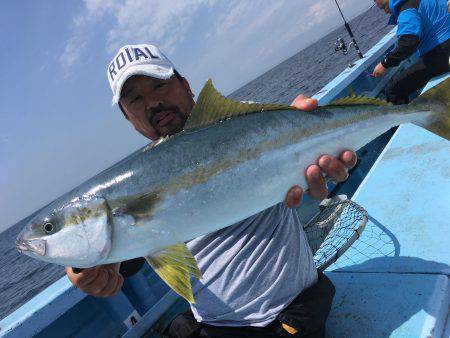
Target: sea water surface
[306, 72]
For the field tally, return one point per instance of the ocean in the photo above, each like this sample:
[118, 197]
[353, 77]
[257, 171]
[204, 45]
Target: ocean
[306, 72]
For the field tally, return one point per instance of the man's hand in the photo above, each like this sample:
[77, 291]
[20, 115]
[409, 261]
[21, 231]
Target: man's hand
[335, 168]
[379, 71]
[99, 281]
[303, 102]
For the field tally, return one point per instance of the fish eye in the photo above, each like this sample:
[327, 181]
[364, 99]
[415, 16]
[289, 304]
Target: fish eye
[48, 227]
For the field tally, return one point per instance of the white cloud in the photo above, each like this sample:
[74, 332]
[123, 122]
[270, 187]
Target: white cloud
[82, 25]
[254, 35]
[74, 49]
[133, 21]
[163, 22]
[320, 11]
[229, 40]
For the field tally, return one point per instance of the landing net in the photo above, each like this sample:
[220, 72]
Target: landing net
[337, 225]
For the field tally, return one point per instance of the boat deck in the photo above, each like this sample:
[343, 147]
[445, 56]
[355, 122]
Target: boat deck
[394, 281]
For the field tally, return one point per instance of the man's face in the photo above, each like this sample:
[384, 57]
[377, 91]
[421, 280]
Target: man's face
[156, 107]
[384, 5]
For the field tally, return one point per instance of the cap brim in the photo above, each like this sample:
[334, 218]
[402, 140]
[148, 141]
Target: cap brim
[156, 71]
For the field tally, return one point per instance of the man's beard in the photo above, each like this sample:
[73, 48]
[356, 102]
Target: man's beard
[166, 120]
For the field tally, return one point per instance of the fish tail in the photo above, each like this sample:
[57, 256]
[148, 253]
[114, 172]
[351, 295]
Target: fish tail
[438, 98]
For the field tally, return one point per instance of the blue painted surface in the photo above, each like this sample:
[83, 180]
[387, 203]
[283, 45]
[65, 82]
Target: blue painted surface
[416, 163]
[78, 321]
[41, 310]
[144, 289]
[435, 81]
[155, 314]
[447, 327]
[394, 281]
[61, 308]
[388, 305]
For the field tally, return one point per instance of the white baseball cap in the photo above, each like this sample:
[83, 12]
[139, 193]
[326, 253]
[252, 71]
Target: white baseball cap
[137, 60]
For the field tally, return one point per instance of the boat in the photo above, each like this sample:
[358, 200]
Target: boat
[392, 282]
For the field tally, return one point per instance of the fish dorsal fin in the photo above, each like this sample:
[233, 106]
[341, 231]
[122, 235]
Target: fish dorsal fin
[175, 264]
[358, 100]
[211, 107]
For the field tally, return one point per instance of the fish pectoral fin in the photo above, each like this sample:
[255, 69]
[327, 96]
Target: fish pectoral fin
[139, 207]
[212, 106]
[175, 264]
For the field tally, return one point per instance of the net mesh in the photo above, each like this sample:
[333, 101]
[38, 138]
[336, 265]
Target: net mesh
[334, 229]
[376, 242]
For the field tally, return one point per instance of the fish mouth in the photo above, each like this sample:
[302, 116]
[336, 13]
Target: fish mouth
[37, 246]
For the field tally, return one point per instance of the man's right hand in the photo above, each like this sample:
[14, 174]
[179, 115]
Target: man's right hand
[100, 281]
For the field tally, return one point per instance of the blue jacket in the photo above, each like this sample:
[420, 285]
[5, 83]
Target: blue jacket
[427, 19]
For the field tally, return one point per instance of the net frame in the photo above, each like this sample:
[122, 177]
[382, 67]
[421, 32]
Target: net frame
[338, 224]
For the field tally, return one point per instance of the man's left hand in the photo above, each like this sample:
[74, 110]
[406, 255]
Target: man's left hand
[379, 71]
[335, 168]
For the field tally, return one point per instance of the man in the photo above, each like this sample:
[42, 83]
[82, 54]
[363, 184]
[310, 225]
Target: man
[253, 271]
[423, 25]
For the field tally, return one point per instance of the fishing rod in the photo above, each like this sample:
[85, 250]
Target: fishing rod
[349, 30]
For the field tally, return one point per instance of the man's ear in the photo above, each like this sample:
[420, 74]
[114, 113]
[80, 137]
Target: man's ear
[123, 111]
[187, 86]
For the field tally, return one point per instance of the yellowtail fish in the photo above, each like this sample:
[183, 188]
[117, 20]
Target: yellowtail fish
[232, 161]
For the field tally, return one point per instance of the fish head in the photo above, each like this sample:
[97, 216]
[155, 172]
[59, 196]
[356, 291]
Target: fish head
[76, 233]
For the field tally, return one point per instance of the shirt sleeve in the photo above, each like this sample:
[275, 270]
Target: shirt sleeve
[409, 27]
[409, 23]
[406, 46]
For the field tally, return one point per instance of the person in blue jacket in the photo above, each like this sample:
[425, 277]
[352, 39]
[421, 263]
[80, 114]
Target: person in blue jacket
[423, 26]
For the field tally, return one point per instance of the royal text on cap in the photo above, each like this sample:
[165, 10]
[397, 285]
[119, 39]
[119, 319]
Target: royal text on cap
[129, 55]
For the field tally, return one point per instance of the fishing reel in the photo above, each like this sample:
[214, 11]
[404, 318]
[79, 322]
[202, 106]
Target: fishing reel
[340, 45]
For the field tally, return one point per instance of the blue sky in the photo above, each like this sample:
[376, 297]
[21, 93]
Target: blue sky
[57, 126]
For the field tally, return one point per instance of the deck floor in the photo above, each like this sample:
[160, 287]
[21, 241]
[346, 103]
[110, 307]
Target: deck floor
[393, 282]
